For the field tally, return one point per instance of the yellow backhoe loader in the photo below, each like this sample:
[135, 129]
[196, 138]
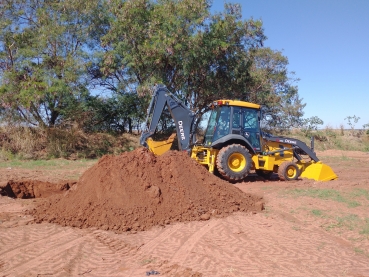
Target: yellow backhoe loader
[234, 144]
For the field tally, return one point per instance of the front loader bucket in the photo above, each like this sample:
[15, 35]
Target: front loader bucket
[319, 172]
[160, 147]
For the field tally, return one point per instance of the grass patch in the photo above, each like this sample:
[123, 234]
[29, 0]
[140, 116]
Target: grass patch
[147, 261]
[365, 228]
[345, 158]
[359, 250]
[318, 213]
[325, 194]
[296, 228]
[358, 192]
[47, 164]
[350, 222]
[293, 212]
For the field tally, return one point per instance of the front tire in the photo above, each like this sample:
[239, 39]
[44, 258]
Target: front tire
[234, 162]
[288, 171]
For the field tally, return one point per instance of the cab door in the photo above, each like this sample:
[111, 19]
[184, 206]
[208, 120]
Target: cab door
[236, 120]
[250, 127]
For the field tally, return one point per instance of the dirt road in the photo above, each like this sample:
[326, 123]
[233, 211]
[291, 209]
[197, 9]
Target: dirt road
[307, 228]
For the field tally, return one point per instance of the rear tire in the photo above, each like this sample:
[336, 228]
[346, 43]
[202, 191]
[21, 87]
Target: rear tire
[234, 162]
[288, 171]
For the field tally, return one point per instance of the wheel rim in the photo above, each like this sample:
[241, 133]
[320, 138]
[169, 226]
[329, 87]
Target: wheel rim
[291, 172]
[236, 162]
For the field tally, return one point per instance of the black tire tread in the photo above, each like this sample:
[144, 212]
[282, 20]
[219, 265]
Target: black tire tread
[283, 169]
[221, 160]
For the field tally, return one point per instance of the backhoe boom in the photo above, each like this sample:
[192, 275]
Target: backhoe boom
[182, 116]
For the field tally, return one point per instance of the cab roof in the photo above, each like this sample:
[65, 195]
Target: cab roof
[236, 103]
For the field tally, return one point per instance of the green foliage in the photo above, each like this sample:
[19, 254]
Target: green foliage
[351, 121]
[350, 222]
[118, 113]
[359, 192]
[365, 228]
[54, 54]
[318, 213]
[42, 57]
[199, 56]
[309, 125]
[329, 132]
[46, 164]
[366, 126]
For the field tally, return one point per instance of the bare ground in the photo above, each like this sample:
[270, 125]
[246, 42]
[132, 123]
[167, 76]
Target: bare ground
[308, 228]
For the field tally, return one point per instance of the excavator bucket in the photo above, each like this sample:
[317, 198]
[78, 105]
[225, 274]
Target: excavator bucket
[319, 172]
[160, 147]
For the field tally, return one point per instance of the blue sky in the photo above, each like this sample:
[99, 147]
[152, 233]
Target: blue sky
[327, 45]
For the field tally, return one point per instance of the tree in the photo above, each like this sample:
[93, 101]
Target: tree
[271, 85]
[352, 121]
[54, 53]
[43, 51]
[118, 113]
[199, 56]
[310, 124]
[353, 118]
[366, 126]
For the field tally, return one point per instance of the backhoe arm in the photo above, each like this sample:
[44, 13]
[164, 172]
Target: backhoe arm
[182, 116]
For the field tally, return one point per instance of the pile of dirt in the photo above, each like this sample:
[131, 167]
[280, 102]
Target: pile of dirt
[137, 190]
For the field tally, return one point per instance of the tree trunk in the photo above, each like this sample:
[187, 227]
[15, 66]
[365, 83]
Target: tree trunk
[130, 125]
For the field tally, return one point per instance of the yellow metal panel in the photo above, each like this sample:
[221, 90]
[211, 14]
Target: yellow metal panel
[255, 162]
[160, 147]
[279, 157]
[205, 156]
[239, 103]
[319, 172]
[269, 162]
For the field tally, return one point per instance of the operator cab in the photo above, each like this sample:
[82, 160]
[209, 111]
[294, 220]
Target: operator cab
[234, 120]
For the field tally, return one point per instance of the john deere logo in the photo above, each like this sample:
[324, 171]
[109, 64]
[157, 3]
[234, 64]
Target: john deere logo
[290, 141]
[181, 131]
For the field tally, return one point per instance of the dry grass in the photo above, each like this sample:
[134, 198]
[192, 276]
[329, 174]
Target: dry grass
[328, 138]
[35, 143]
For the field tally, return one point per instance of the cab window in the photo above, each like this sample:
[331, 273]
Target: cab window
[250, 119]
[223, 123]
[236, 121]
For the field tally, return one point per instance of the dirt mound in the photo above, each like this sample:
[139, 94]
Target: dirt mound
[32, 189]
[137, 190]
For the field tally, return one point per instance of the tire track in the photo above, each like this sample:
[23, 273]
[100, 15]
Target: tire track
[42, 256]
[182, 253]
[167, 233]
[17, 237]
[250, 246]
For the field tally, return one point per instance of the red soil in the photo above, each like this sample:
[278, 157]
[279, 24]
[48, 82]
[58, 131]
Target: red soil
[33, 188]
[136, 191]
